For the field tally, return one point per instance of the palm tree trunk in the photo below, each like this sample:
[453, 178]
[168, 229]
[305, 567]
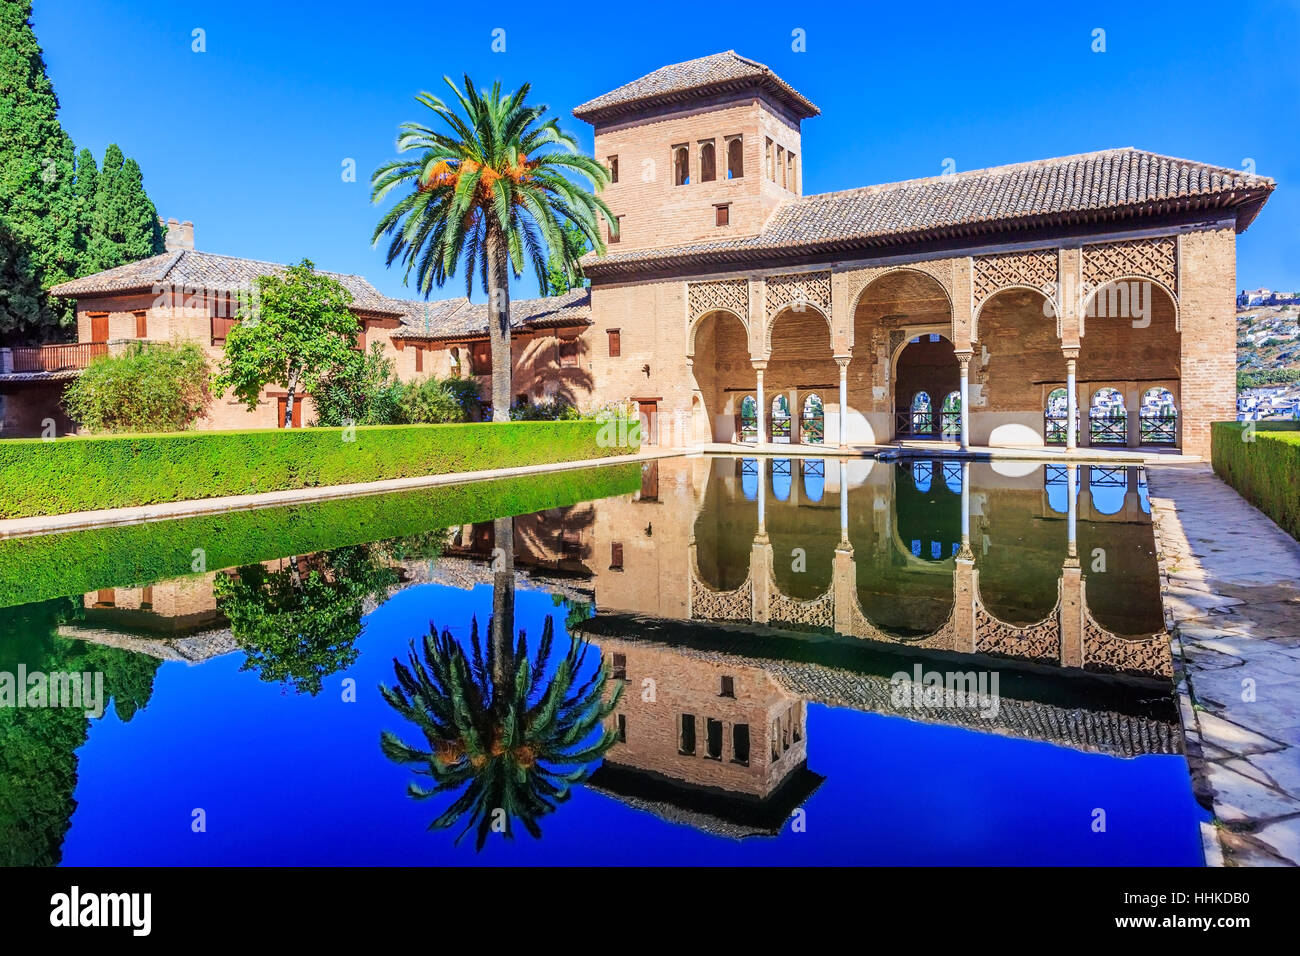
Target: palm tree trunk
[503, 601]
[499, 323]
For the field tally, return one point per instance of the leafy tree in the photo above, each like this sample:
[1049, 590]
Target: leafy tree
[363, 393]
[492, 191]
[564, 272]
[155, 387]
[296, 332]
[123, 224]
[299, 624]
[37, 200]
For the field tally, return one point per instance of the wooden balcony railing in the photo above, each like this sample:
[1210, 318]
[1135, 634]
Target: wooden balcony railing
[57, 358]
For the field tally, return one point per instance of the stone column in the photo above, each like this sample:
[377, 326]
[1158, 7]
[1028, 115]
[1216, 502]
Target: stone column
[963, 360]
[964, 577]
[761, 399]
[843, 362]
[1071, 398]
[1132, 411]
[1072, 509]
[796, 415]
[844, 503]
[761, 464]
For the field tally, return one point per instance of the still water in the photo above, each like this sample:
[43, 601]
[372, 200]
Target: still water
[696, 660]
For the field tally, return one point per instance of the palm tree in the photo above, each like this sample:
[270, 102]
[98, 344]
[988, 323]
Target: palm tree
[507, 749]
[492, 190]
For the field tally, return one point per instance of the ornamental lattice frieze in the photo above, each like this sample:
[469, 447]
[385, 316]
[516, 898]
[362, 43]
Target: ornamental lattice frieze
[1035, 269]
[710, 605]
[940, 270]
[729, 294]
[799, 289]
[1153, 258]
[1035, 642]
[817, 613]
[1109, 653]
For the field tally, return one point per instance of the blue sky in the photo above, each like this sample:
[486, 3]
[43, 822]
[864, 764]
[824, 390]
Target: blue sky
[248, 139]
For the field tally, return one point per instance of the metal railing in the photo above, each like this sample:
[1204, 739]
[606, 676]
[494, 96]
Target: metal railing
[57, 358]
[1055, 428]
[814, 431]
[780, 427]
[1108, 430]
[950, 423]
[1159, 429]
[747, 428]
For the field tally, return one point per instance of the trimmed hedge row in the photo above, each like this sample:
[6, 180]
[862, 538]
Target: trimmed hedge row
[58, 565]
[1266, 471]
[84, 474]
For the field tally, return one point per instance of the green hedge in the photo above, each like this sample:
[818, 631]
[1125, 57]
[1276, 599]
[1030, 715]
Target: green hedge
[1266, 471]
[84, 474]
[57, 565]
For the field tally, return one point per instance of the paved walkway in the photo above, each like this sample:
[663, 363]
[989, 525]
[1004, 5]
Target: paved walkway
[80, 520]
[1232, 602]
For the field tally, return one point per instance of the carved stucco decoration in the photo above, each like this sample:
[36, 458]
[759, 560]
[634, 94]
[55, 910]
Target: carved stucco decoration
[1033, 642]
[809, 288]
[710, 605]
[1034, 269]
[861, 626]
[940, 270]
[1154, 258]
[819, 612]
[729, 294]
[1109, 653]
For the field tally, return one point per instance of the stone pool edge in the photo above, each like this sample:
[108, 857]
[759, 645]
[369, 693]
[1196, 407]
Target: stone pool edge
[1232, 615]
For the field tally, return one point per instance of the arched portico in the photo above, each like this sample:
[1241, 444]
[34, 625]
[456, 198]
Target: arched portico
[718, 354]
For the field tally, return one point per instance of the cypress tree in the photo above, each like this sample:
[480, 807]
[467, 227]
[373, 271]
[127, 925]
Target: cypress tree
[37, 202]
[123, 224]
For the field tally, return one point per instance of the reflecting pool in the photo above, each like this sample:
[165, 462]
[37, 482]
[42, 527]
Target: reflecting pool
[700, 659]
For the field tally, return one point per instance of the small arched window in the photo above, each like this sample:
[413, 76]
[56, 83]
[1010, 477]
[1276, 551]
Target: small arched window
[735, 159]
[681, 166]
[708, 163]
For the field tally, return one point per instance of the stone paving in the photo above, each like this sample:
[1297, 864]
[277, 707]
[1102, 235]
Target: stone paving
[1231, 582]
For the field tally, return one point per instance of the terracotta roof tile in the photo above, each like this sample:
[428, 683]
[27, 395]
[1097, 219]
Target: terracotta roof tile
[458, 318]
[1115, 183]
[708, 74]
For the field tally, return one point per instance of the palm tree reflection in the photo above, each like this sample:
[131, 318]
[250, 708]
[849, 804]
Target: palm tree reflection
[505, 731]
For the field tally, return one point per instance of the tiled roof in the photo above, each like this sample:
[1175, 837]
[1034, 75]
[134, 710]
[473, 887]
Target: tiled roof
[719, 73]
[459, 318]
[203, 270]
[1114, 184]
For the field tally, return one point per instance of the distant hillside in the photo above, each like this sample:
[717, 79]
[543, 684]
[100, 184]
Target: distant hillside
[1268, 345]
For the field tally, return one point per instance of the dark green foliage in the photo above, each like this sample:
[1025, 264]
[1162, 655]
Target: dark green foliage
[499, 735]
[44, 566]
[122, 224]
[155, 387]
[38, 759]
[1265, 471]
[21, 296]
[299, 624]
[37, 199]
[80, 474]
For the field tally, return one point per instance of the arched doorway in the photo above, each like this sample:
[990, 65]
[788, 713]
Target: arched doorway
[1107, 418]
[800, 362]
[925, 370]
[1056, 415]
[812, 421]
[779, 428]
[747, 419]
[1157, 417]
[1019, 355]
[723, 371]
[950, 416]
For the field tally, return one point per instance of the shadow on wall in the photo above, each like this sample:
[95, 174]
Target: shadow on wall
[26, 407]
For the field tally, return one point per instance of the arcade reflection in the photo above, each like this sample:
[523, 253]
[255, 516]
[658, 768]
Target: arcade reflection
[722, 598]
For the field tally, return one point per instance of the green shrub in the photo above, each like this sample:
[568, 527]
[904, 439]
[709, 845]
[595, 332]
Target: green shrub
[554, 411]
[369, 393]
[44, 566]
[152, 387]
[1266, 471]
[79, 474]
